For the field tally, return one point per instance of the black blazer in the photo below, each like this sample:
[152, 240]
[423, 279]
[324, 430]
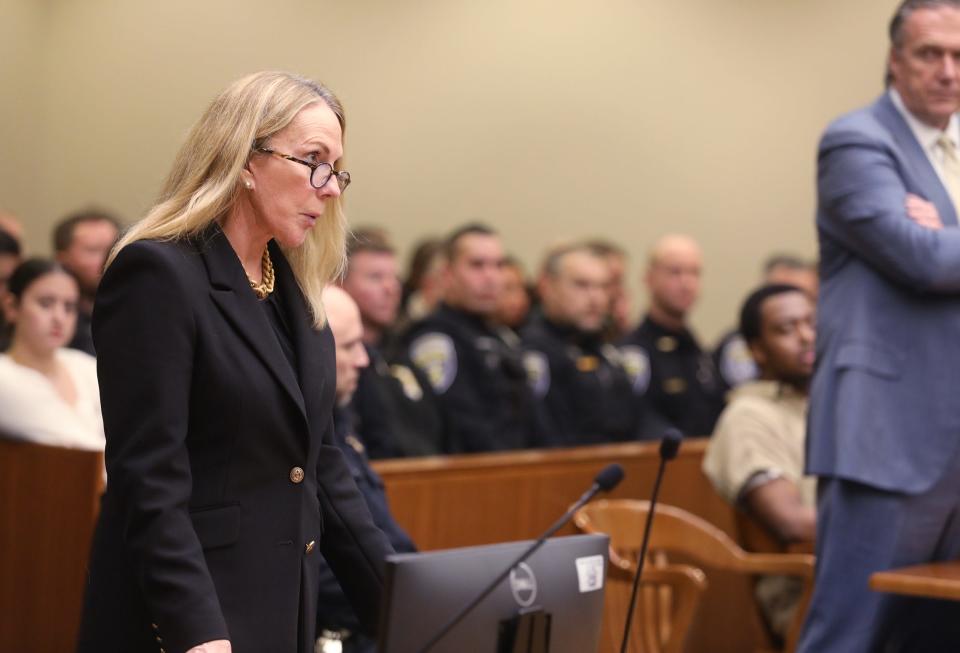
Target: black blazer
[223, 486]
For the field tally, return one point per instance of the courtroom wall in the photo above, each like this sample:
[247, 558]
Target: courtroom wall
[550, 120]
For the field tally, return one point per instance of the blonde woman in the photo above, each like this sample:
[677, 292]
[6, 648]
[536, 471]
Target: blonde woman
[217, 377]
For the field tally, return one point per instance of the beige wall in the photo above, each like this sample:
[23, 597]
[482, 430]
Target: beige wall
[21, 54]
[625, 118]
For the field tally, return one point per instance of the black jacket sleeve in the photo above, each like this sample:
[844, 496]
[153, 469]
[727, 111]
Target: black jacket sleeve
[144, 331]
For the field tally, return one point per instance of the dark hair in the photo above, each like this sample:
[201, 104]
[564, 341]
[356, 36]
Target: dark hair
[29, 271]
[511, 261]
[605, 248]
[423, 255]
[9, 245]
[63, 232]
[369, 239]
[906, 8]
[555, 256]
[900, 17]
[751, 320]
[788, 261]
[469, 229]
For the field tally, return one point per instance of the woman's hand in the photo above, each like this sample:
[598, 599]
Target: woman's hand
[217, 646]
[922, 212]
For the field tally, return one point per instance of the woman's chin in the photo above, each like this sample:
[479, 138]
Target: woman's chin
[51, 345]
[291, 240]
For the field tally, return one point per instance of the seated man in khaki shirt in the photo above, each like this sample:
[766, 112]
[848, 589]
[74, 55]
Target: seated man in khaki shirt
[755, 457]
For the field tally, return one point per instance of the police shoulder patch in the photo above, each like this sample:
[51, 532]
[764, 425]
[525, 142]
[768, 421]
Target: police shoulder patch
[636, 362]
[411, 387]
[667, 344]
[736, 363]
[538, 372]
[435, 354]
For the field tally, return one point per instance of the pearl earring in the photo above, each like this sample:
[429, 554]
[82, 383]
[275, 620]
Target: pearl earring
[248, 184]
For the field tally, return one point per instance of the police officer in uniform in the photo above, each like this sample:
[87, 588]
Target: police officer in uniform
[662, 355]
[475, 369]
[338, 626]
[395, 411]
[582, 390]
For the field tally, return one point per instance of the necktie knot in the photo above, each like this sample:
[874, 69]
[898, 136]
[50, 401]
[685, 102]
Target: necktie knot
[950, 168]
[946, 144]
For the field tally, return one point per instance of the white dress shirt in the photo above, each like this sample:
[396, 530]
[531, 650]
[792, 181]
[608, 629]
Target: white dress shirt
[928, 136]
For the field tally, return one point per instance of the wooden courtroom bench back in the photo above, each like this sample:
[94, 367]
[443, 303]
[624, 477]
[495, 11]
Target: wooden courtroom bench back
[450, 501]
[48, 505]
[455, 501]
[49, 499]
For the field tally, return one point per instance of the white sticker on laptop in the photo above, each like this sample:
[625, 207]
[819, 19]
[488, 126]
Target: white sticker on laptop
[590, 573]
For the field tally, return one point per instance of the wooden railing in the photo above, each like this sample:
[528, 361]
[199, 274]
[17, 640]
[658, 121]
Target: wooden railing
[452, 501]
[49, 496]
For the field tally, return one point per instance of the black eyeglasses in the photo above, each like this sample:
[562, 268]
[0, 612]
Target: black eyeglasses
[320, 173]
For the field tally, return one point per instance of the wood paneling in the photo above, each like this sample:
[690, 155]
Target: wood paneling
[48, 505]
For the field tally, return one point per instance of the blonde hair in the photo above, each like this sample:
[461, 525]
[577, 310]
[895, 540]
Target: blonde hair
[205, 180]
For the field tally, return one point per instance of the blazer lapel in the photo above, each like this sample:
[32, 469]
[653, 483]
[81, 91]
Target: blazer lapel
[232, 294]
[920, 167]
[306, 340]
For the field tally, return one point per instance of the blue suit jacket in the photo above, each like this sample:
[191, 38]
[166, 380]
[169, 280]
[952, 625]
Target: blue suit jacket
[885, 399]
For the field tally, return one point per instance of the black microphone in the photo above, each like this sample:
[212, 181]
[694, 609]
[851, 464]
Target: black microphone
[669, 446]
[607, 479]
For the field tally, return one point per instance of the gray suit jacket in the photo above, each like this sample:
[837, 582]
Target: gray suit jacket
[885, 400]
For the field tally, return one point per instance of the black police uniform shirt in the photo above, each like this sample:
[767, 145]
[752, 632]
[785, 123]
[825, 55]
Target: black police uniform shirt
[334, 611]
[677, 377]
[733, 361]
[395, 410]
[582, 392]
[478, 376]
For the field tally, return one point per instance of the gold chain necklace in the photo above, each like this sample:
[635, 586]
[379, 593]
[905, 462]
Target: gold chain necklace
[265, 287]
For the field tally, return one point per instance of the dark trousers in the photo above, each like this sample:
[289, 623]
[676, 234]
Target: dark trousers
[359, 643]
[860, 530]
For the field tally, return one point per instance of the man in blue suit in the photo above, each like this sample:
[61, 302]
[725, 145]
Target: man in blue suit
[884, 425]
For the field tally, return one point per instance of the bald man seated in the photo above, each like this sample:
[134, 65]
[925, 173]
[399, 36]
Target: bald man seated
[337, 624]
[665, 361]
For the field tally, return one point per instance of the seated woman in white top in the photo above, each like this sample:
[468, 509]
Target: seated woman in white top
[48, 394]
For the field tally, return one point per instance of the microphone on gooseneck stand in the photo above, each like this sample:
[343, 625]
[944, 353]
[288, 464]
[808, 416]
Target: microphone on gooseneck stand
[669, 446]
[607, 479]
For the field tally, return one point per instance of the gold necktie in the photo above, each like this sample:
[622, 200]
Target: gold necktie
[950, 167]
